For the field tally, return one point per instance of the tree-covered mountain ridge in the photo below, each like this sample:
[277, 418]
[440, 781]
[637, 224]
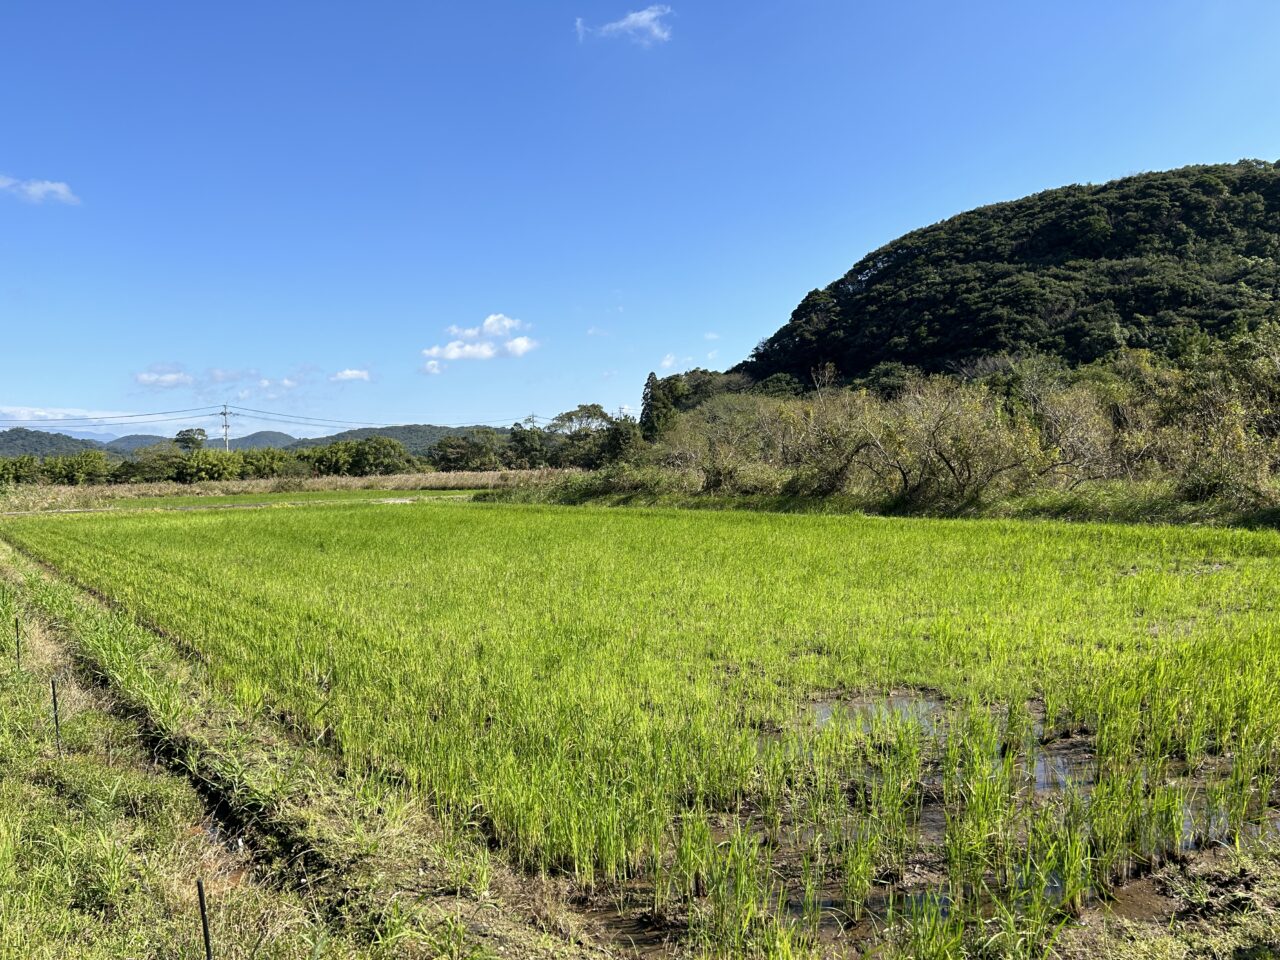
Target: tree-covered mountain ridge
[418, 439]
[1161, 261]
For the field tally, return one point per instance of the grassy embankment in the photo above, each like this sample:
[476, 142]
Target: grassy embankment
[1150, 502]
[100, 848]
[161, 779]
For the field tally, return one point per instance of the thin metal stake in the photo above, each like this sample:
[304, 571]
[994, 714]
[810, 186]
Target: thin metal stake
[204, 921]
[57, 723]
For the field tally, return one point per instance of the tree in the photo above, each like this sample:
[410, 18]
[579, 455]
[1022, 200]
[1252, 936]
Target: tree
[657, 411]
[527, 446]
[379, 456]
[201, 465]
[268, 462]
[620, 439]
[479, 451]
[331, 460]
[580, 436]
[191, 439]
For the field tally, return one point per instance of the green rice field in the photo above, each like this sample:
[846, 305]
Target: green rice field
[761, 734]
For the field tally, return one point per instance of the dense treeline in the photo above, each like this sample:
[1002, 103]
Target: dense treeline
[418, 439]
[187, 461]
[586, 437]
[1207, 428]
[1161, 262]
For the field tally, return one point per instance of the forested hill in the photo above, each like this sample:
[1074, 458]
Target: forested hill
[418, 439]
[1160, 260]
[19, 441]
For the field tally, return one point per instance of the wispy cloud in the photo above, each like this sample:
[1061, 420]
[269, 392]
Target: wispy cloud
[491, 338]
[38, 191]
[343, 376]
[54, 414]
[462, 350]
[645, 27]
[164, 381]
[671, 360]
[214, 384]
[494, 325]
[711, 336]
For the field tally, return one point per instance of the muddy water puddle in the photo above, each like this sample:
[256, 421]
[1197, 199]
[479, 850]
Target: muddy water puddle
[867, 711]
[1046, 770]
[1064, 764]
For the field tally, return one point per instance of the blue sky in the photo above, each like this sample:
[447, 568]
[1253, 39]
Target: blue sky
[413, 212]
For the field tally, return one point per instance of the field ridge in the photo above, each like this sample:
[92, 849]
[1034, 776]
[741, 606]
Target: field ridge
[369, 860]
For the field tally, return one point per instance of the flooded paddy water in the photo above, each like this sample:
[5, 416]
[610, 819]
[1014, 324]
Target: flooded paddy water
[1042, 774]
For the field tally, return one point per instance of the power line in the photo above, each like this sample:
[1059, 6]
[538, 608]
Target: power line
[303, 420]
[127, 423]
[284, 421]
[115, 419]
[326, 420]
[225, 411]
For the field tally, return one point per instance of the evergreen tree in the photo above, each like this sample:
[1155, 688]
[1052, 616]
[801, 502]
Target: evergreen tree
[656, 409]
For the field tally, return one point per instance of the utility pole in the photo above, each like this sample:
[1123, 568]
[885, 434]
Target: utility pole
[226, 429]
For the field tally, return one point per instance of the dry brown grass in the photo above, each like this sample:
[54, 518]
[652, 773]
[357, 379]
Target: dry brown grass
[26, 498]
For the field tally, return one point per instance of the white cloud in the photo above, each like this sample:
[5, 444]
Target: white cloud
[671, 360]
[496, 329]
[38, 191]
[56, 413]
[519, 346]
[597, 332]
[645, 27]
[461, 350]
[494, 325]
[349, 374]
[711, 336]
[214, 383]
[499, 325]
[711, 355]
[164, 381]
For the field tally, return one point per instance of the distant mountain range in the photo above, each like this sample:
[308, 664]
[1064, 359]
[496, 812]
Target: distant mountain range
[418, 438]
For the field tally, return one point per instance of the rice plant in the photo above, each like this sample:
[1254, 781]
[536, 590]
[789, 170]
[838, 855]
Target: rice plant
[763, 723]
